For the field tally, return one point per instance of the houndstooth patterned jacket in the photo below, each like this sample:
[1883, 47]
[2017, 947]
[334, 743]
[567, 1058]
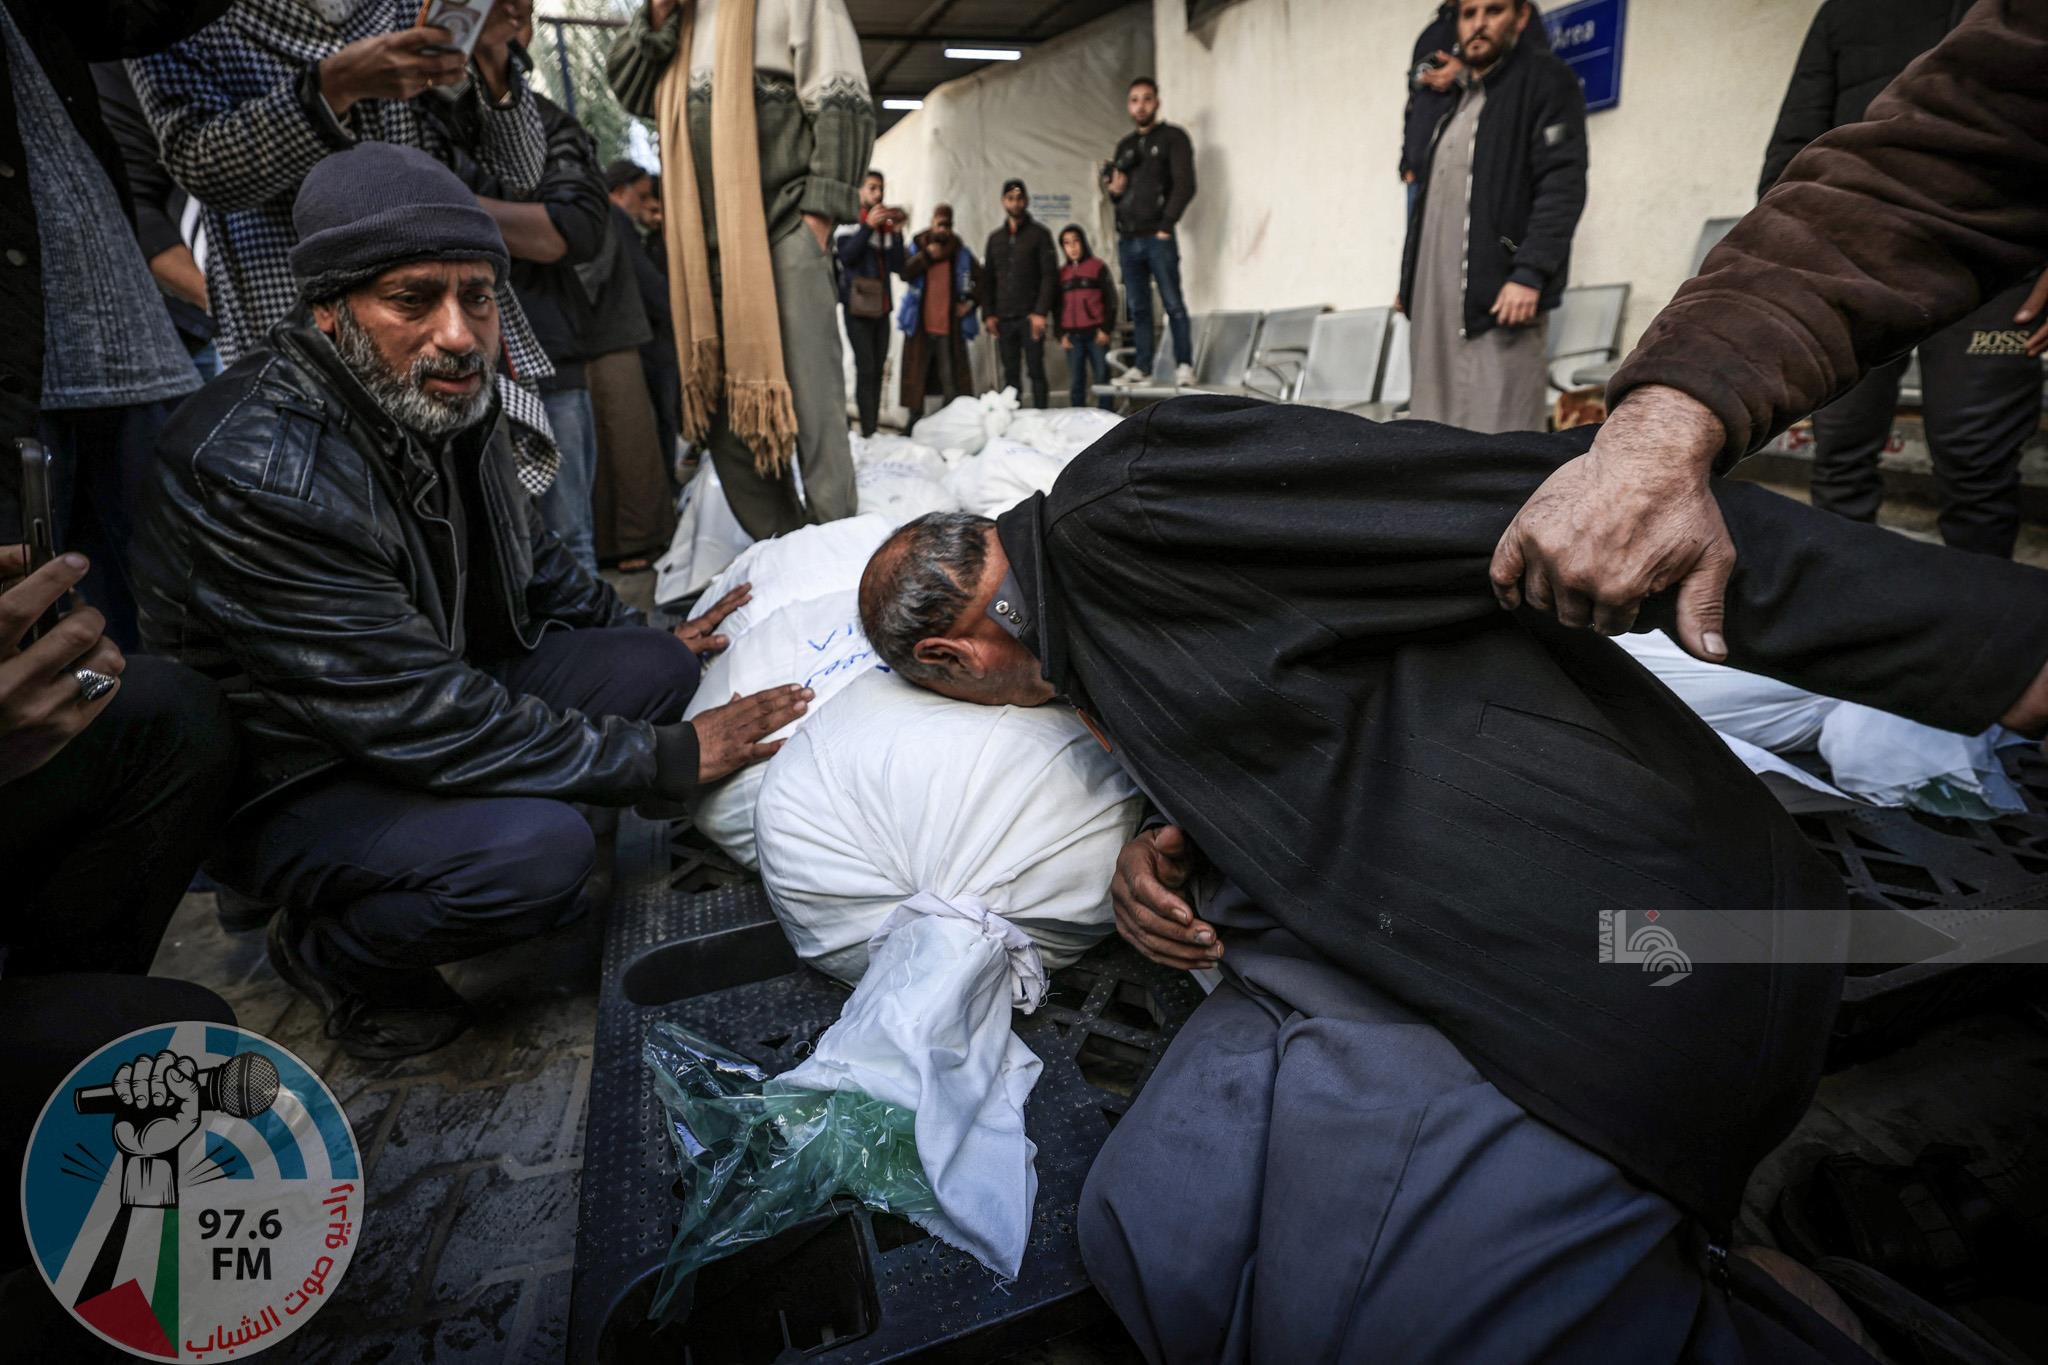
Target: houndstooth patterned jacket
[238, 111]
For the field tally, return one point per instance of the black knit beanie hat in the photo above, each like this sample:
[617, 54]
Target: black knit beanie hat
[379, 205]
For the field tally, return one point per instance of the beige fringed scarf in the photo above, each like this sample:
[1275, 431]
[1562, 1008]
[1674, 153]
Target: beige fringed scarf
[747, 361]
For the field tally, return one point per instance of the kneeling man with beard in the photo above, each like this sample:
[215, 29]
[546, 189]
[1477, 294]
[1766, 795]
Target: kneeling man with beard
[423, 677]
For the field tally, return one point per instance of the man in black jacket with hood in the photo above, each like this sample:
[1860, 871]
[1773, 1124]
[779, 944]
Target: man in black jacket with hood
[1432, 1113]
[1490, 234]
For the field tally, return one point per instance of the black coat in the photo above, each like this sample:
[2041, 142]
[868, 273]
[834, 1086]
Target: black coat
[1528, 186]
[1020, 272]
[1853, 49]
[1426, 107]
[284, 551]
[65, 35]
[1282, 620]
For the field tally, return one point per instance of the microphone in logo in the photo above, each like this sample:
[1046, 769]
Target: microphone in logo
[241, 1087]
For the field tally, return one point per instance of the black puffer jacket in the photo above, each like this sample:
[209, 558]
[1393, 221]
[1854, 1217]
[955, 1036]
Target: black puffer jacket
[284, 552]
[1528, 186]
[1854, 49]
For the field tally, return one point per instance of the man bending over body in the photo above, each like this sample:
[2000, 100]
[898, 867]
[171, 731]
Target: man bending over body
[1419, 1117]
[422, 675]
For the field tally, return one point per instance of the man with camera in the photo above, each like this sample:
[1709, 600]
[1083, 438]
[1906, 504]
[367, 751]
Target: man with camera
[869, 251]
[1152, 180]
[1490, 239]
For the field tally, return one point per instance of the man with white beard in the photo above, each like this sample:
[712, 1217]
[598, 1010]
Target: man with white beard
[424, 679]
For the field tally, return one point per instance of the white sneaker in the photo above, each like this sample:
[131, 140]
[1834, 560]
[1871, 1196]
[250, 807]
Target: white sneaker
[1131, 375]
[1184, 376]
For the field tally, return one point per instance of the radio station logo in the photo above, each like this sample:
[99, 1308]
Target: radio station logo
[192, 1192]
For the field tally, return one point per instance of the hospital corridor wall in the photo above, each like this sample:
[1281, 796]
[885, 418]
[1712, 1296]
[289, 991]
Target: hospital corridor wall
[1295, 110]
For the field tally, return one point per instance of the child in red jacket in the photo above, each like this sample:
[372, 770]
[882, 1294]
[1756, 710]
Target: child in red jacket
[1086, 316]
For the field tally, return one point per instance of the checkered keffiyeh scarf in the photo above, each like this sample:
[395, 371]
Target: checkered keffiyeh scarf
[237, 135]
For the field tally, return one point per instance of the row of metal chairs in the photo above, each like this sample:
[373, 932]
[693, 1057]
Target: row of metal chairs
[1355, 359]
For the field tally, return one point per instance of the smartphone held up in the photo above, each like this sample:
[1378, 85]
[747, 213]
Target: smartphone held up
[38, 525]
[464, 20]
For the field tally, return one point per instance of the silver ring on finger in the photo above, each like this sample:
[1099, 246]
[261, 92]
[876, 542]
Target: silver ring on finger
[92, 685]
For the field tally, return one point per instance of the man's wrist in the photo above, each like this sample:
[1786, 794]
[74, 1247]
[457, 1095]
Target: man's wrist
[331, 87]
[1665, 430]
[149, 1182]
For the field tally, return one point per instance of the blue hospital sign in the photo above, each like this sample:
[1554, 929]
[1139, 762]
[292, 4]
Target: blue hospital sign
[1587, 38]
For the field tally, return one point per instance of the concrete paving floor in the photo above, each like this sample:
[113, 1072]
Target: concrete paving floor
[473, 1154]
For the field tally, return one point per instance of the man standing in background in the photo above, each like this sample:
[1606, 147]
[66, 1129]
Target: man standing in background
[869, 252]
[765, 123]
[1489, 243]
[1152, 180]
[937, 317]
[636, 209]
[1982, 391]
[1019, 275]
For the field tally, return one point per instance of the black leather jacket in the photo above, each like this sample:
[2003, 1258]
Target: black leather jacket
[284, 552]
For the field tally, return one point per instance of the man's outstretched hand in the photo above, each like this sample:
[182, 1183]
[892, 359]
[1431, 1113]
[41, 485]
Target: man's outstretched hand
[1151, 914]
[700, 633]
[729, 736]
[1630, 518]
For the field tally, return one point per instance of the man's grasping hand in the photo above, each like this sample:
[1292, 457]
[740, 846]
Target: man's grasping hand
[1151, 914]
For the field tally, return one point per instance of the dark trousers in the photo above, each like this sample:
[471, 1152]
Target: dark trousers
[96, 848]
[1363, 1183]
[1087, 356]
[99, 843]
[1013, 340]
[407, 878]
[1148, 260]
[869, 338]
[1982, 400]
